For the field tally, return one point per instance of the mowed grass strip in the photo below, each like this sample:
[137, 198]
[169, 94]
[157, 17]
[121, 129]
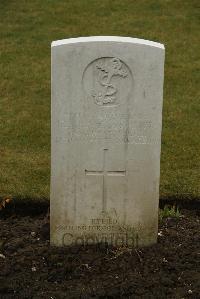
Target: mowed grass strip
[27, 29]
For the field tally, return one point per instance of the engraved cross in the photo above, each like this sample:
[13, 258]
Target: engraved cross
[105, 173]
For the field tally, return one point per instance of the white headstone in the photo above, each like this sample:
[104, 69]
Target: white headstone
[107, 95]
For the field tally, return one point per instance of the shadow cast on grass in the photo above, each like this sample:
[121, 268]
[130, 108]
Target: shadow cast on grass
[33, 207]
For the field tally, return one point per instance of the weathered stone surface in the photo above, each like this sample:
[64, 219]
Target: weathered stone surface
[107, 95]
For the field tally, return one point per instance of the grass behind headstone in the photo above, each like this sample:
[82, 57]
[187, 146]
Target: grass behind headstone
[27, 29]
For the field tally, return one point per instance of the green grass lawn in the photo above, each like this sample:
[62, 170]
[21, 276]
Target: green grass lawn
[27, 29]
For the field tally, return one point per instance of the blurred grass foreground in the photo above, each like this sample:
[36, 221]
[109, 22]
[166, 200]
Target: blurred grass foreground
[27, 29]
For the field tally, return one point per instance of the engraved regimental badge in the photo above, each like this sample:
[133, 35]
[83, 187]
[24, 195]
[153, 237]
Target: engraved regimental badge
[107, 80]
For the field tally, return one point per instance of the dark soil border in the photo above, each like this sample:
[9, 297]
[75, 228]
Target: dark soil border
[32, 269]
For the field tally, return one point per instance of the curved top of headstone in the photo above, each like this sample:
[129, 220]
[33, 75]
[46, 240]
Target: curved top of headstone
[119, 39]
